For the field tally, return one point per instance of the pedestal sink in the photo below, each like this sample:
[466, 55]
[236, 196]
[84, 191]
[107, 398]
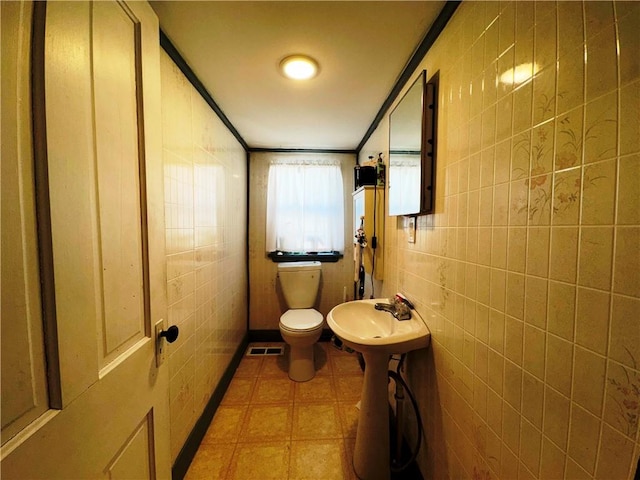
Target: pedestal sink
[377, 335]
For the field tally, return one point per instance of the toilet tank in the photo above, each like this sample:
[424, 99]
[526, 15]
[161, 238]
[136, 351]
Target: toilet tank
[300, 282]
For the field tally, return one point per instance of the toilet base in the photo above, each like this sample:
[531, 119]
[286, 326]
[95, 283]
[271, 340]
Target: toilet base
[301, 363]
[302, 366]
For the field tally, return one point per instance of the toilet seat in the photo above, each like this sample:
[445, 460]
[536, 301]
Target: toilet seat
[301, 320]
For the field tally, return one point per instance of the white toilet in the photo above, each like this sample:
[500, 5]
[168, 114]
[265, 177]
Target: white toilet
[301, 325]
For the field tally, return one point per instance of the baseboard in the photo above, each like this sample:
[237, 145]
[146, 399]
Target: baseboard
[190, 447]
[274, 336]
[265, 336]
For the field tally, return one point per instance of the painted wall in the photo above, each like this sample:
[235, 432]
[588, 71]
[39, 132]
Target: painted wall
[267, 302]
[529, 273]
[205, 173]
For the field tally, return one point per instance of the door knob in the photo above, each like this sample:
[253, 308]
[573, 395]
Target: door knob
[171, 333]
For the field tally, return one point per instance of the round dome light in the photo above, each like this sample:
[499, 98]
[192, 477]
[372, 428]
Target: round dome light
[299, 67]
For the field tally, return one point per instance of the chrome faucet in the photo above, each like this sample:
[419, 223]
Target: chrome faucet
[398, 306]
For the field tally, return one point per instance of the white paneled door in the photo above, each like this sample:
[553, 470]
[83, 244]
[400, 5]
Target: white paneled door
[103, 281]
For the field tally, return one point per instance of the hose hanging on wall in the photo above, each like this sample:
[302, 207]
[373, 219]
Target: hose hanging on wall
[374, 242]
[402, 386]
[361, 242]
[380, 181]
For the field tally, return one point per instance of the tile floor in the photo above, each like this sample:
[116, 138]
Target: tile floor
[268, 426]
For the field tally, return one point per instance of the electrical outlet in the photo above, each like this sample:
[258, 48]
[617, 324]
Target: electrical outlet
[161, 344]
[411, 230]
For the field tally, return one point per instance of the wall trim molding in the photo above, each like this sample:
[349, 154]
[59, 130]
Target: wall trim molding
[190, 447]
[275, 336]
[416, 58]
[429, 39]
[184, 67]
[302, 150]
[265, 336]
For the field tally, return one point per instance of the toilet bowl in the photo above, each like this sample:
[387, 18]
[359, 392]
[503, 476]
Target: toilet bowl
[301, 329]
[301, 325]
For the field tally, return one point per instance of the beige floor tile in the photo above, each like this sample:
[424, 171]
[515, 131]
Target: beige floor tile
[226, 425]
[239, 391]
[266, 423]
[273, 390]
[324, 346]
[349, 415]
[345, 365]
[319, 460]
[318, 389]
[249, 367]
[321, 359]
[257, 461]
[349, 387]
[211, 462]
[336, 351]
[323, 369]
[269, 426]
[349, 448]
[275, 366]
[316, 421]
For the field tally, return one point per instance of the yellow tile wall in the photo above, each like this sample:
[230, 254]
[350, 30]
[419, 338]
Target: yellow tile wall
[529, 273]
[205, 172]
[267, 302]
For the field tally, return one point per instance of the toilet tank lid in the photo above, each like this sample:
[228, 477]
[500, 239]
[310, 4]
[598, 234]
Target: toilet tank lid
[298, 266]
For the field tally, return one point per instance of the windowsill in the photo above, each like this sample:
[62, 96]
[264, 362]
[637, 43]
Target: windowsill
[279, 257]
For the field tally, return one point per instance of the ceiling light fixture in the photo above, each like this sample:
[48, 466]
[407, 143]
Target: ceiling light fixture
[299, 67]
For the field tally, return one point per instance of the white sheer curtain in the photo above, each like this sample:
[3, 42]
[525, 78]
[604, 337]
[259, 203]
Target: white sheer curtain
[305, 206]
[404, 179]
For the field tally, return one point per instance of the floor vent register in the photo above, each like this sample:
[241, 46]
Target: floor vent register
[259, 351]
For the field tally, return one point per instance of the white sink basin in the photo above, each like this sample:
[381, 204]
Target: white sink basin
[376, 334]
[367, 330]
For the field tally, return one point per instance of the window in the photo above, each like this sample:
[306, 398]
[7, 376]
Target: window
[305, 206]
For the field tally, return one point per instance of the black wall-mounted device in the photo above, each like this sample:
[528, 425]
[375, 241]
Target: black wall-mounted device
[364, 176]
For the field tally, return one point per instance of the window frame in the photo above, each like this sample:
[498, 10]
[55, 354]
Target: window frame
[280, 256]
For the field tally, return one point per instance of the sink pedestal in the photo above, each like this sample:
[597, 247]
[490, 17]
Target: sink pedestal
[377, 335]
[371, 458]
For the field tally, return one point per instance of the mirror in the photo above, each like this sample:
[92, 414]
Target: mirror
[412, 150]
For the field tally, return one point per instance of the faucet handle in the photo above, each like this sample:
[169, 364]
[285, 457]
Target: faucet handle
[401, 311]
[399, 298]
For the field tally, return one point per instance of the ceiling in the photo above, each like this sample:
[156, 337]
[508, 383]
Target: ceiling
[234, 48]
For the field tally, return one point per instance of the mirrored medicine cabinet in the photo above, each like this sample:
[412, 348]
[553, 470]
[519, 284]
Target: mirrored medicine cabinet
[412, 147]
